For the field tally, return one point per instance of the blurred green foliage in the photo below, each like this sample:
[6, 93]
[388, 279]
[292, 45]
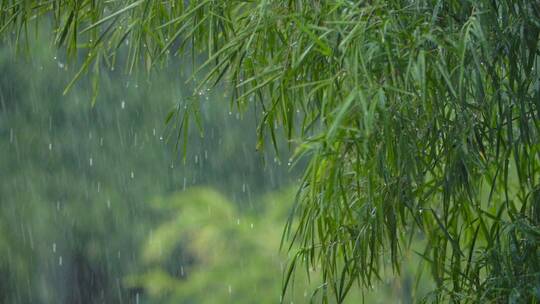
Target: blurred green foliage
[76, 179]
[217, 254]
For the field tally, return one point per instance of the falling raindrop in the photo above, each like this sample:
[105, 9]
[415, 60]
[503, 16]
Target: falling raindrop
[50, 146]
[132, 174]
[60, 261]
[54, 247]
[91, 161]
[123, 104]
